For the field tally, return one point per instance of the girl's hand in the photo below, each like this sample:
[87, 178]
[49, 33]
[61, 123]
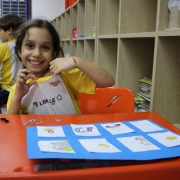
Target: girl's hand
[22, 87]
[61, 64]
[98, 74]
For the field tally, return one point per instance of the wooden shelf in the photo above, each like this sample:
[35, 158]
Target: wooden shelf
[138, 16]
[108, 16]
[166, 99]
[140, 46]
[107, 54]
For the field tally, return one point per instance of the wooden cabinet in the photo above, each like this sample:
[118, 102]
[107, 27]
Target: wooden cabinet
[131, 40]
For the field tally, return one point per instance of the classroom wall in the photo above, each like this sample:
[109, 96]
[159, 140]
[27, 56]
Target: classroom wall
[47, 9]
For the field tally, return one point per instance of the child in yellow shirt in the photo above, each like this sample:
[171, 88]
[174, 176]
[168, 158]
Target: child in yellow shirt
[9, 62]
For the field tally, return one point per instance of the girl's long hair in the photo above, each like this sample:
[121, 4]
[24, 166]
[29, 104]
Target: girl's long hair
[40, 23]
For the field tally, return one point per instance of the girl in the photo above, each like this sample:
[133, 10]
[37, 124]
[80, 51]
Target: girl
[49, 83]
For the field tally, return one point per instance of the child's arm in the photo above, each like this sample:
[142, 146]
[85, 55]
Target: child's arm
[98, 74]
[22, 89]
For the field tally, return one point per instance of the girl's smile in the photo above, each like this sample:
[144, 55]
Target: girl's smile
[35, 63]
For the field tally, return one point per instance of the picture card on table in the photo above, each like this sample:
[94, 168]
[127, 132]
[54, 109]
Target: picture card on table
[168, 139]
[100, 145]
[117, 128]
[137, 144]
[60, 146]
[146, 126]
[50, 131]
[85, 130]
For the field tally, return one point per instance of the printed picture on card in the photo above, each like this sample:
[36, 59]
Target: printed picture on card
[146, 126]
[137, 143]
[50, 131]
[100, 145]
[61, 146]
[168, 139]
[117, 128]
[85, 130]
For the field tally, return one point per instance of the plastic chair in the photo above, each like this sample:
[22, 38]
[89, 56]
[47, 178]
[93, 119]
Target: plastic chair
[107, 100]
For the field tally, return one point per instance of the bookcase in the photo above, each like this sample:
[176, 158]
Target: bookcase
[130, 40]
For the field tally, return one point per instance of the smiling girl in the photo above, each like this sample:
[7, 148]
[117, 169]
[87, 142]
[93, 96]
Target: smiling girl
[49, 82]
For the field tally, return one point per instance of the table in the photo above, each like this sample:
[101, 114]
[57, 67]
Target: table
[14, 163]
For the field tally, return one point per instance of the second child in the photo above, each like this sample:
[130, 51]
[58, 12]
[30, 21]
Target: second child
[9, 62]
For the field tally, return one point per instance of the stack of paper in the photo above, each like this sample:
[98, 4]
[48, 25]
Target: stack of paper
[143, 97]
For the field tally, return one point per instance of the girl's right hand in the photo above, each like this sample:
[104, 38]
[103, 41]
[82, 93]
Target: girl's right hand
[22, 87]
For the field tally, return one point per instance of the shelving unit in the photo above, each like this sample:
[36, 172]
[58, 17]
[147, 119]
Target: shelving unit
[141, 46]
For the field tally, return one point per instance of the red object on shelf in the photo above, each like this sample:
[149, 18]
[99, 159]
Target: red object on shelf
[74, 32]
[69, 3]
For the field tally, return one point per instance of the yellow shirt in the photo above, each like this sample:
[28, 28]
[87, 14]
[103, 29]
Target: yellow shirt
[9, 65]
[74, 81]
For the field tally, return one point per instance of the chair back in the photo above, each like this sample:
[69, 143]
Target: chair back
[107, 100]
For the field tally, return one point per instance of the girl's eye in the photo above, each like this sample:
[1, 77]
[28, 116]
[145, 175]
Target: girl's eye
[45, 48]
[30, 46]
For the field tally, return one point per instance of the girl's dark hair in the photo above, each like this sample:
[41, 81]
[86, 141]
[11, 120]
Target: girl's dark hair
[40, 23]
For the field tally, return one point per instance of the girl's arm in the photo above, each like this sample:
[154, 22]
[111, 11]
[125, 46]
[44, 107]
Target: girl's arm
[98, 74]
[21, 90]
[14, 106]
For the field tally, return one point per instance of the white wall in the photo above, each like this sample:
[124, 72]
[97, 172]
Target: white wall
[47, 9]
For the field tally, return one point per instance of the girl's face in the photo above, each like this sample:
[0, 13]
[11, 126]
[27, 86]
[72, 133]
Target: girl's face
[37, 51]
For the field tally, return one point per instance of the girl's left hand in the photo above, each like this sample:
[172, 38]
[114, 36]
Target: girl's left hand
[61, 64]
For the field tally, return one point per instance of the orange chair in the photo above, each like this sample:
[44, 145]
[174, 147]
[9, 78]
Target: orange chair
[107, 100]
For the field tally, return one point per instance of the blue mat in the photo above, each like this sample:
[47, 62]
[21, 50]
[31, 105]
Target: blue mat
[34, 152]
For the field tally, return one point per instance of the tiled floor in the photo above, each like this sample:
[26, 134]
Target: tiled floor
[177, 125]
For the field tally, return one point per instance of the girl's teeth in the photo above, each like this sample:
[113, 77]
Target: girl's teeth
[35, 62]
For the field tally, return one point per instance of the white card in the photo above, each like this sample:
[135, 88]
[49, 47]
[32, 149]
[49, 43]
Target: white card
[137, 144]
[85, 130]
[60, 146]
[146, 126]
[50, 131]
[117, 128]
[168, 139]
[98, 146]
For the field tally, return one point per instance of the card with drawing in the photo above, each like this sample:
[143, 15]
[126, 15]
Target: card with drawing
[146, 126]
[85, 130]
[137, 143]
[61, 146]
[50, 131]
[168, 139]
[117, 128]
[100, 145]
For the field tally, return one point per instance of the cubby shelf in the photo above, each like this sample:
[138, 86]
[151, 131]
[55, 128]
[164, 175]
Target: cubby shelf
[130, 39]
